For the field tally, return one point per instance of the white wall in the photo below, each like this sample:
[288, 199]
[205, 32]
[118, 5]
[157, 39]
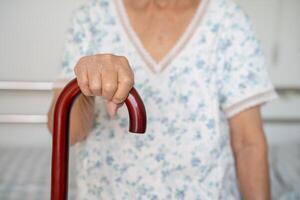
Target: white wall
[277, 25]
[32, 35]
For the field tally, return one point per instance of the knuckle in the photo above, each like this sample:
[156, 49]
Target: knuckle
[81, 63]
[106, 56]
[86, 93]
[119, 99]
[95, 87]
[77, 68]
[128, 81]
[109, 87]
[83, 59]
[123, 59]
[83, 82]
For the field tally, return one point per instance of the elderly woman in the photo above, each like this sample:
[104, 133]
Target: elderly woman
[200, 71]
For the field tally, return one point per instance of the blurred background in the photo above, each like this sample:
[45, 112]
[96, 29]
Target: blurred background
[32, 35]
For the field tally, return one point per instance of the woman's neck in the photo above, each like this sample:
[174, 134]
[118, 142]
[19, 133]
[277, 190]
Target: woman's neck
[162, 4]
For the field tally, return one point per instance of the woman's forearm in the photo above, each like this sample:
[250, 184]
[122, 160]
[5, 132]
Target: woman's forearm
[81, 117]
[253, 173]
[250, 149]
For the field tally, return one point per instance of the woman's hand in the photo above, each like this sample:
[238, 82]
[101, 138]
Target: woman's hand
[105, 75]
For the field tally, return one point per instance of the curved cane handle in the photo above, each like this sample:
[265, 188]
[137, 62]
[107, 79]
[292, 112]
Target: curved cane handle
[60, 143]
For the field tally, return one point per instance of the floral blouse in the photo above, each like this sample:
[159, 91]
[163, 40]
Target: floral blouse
[215, 71]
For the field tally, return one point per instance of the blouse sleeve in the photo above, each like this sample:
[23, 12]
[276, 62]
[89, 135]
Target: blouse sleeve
[243, 81]
[76, 46]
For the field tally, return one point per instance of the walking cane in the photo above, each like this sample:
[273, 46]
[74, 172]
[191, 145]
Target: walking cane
[60, 143]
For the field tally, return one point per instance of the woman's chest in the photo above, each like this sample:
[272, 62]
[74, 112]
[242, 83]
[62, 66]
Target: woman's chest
[185, 79]
[183, 92]
[159, 31]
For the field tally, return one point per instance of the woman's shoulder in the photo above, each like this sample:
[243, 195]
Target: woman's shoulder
[94, 10]
[229, 16]
[90, 4]
[229, 10]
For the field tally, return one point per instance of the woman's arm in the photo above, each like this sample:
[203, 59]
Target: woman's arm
[81, 118]
[251, 154]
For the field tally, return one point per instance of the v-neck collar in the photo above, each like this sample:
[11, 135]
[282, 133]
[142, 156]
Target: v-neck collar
[158, 67]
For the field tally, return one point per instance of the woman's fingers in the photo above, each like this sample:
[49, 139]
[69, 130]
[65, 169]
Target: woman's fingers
[82, 79]
[112, 108]
[95, 84]
[105, 75]
[109, 82]
[125, 83]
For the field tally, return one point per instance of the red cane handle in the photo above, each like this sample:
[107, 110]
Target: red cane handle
[60, 145]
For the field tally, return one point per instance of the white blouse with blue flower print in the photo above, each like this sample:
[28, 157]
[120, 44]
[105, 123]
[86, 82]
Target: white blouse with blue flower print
[214, 71]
